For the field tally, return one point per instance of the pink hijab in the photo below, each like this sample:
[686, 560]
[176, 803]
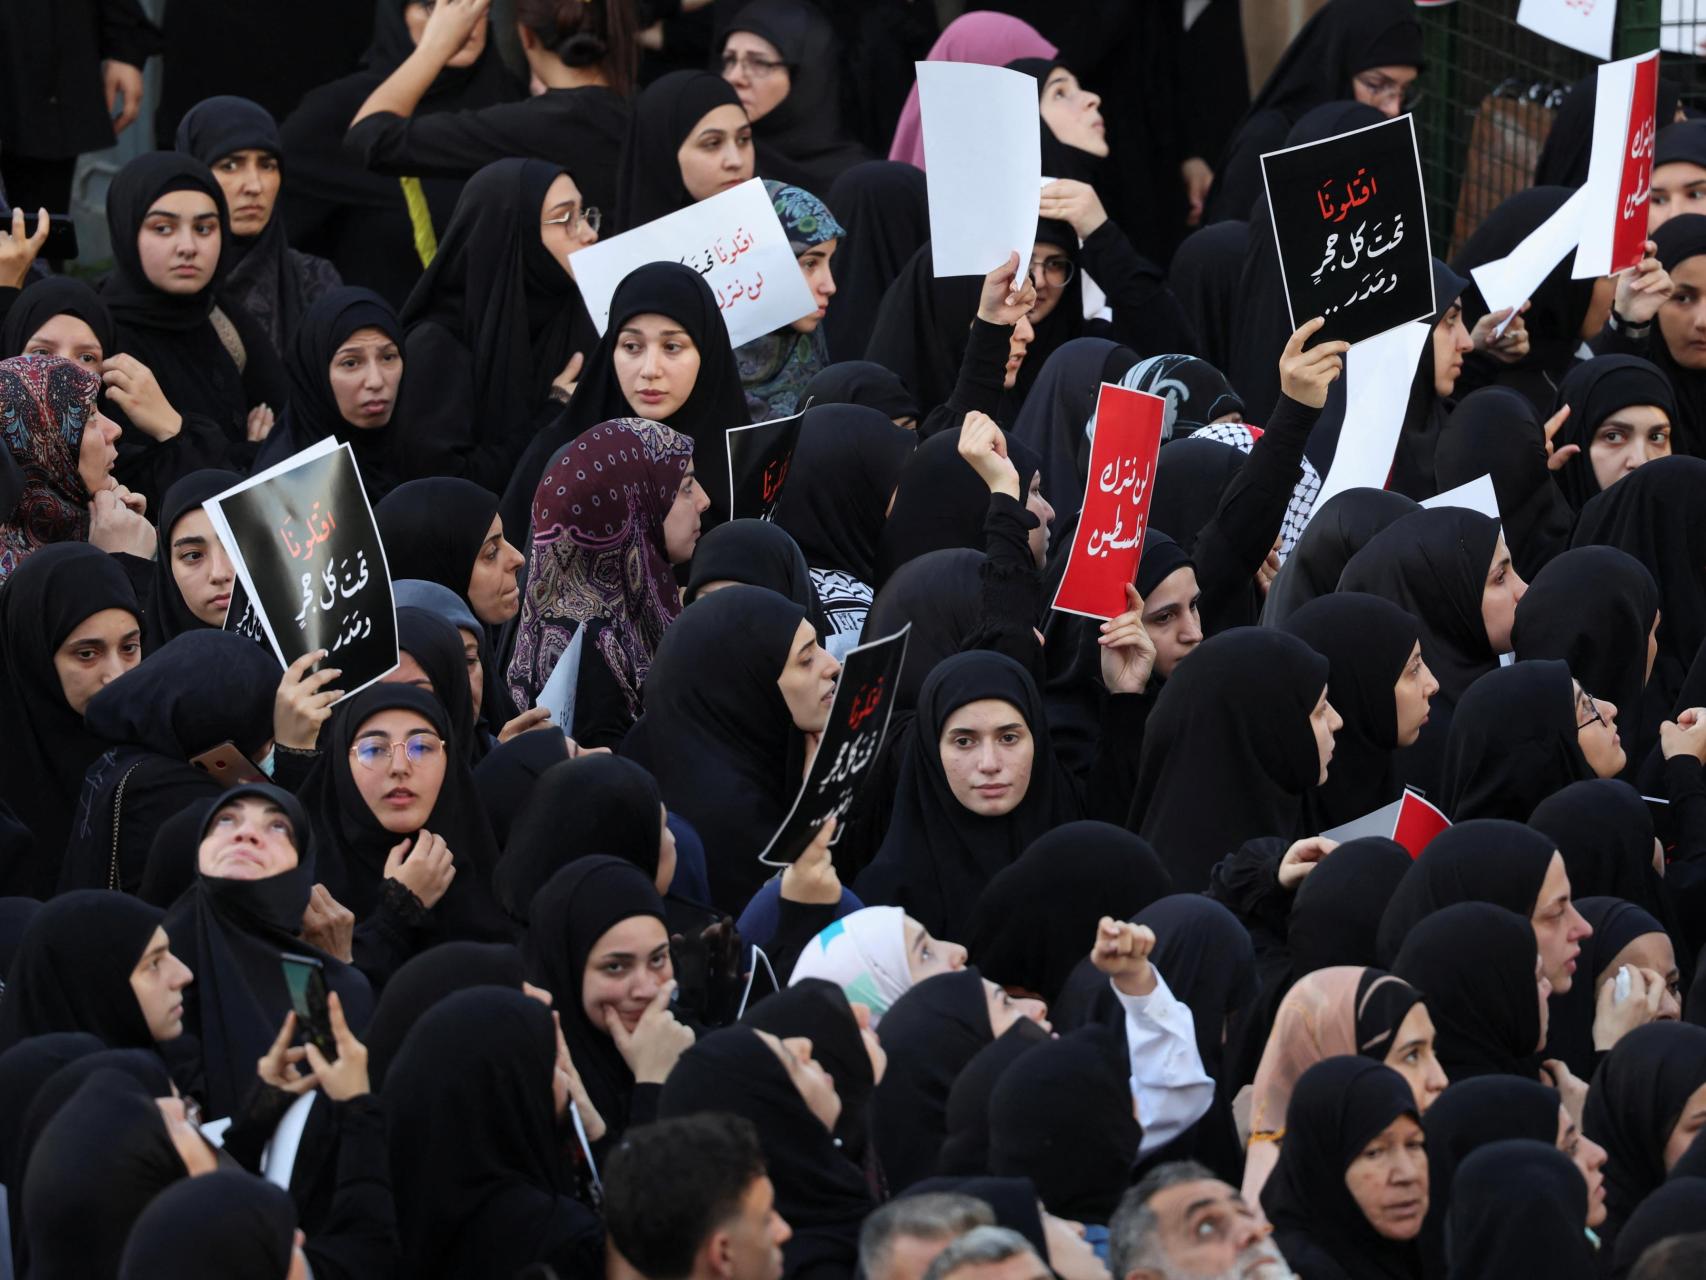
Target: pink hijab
[991, 39]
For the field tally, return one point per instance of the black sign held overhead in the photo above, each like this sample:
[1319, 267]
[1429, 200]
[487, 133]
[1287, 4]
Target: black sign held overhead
[858, 721]
[310, 564]
[1351, 224]
[759, 457]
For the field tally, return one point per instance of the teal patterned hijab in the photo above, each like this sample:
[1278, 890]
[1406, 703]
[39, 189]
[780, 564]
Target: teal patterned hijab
[775, 369]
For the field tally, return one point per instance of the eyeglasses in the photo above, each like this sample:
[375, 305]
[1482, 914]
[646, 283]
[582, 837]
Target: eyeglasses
[1595, 718]
[592, 217]
[373, 753]
[1381, 88]
[1053, 271]
[755, 67]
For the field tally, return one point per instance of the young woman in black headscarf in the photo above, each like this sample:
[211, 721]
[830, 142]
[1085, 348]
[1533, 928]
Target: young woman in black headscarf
[1379, 683]
[1350, 1192]
[881, 206]
[689, 138]
[430, 656]
[169, 223]
[1580, 1029]
[495, 322]
[274, 283]
[490, 1193]
[1603, 830]
[192, 573]
[1622, 414]
[226, 1223]
[69, 624]
[866, 383]
[1345, 524]
[1673, 1210]
[428, 979]
[754, 553]
[1520, 1205]
[965, 1149]
[1055, 419]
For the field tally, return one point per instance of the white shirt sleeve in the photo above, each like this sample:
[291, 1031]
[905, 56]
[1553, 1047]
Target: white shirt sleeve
[1169, 1084]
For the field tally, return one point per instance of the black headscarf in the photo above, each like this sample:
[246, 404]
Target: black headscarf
[1061, 402]
[725, 751]
[1336, 912]
[938, 855]
[1190, 478]
[1203, 276]
[54, 296]
[665, 116]
[922, 326]
[596, 804]
[1338, 1107]
[576, 907]
[1496, 432]
[223, 1224]
[835, 501]
[1615, 925]
[1680, 239]
[1594, 390]
[941, 501]
[1563, 159]
[1604, 832]
[939, 594]
[754, 553]
[487, 1194]
[1474, 965]
[819, 1010]
[57, 588]
[1636, 1097]
[131, 298]
[1339, 528]
[1481, 860]
[965, 1149]
[25, 1070]
[168, 614]
[433, 529]
[505, 778]
[1228, 752]
[231, 933]
[1513, 742]
[1675, 1209]
[862, 382]
[427, 979]
[72, 970]
[1518, 1208]
[436, 647]
[881, 206]
[820, 1193]
[1367, 642]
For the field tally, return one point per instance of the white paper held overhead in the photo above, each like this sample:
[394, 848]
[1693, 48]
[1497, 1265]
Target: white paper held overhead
[983, 153]
[1378, 374]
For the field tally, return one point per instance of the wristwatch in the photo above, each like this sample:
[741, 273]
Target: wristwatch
[1628, 328]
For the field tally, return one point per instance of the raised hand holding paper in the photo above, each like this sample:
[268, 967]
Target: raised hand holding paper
[1378, 374]
[1620, 172]
[733, 239]
[983, 152]
[1584, 25]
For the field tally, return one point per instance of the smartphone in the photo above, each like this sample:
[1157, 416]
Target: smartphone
[305, 978]
[61, 243]
[227, 765]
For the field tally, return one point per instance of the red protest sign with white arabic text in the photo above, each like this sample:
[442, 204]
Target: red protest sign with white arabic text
[1635, 191]
[1108, 543]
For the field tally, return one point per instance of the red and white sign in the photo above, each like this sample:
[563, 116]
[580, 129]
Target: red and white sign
[1620, 173]
[1410, 820]
[1108, 545]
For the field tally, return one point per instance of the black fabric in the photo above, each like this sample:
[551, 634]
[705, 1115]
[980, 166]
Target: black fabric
[941, 501]
[1338, 529]
[42, 300]
[1513, 743]
[505, 777]
[1191, 476]
[426, 980]
[15, 917]
[128, 293]
[1228, 752]
[938, 593]
[1061, 402]
[922, 326]
[862, 382]
[1679, 239]
[1481, 860]
[1474, 965]
[56, 589]
[1563, 159]
[820, 1193]
[25, 1069]
[965, 1149]
[487, 1195]
[433, 529]
[436, 647]
[649, 182]
[1337, 1108]
[168, 614]
[819, 1011]
[1675, 1209]
[1204, 277]
[756, 553]
[1615, 925]
[1604, 832]
[881, 206]
[843, 474]
[1367, 642]
[72, 970]
[1594, 390]
[1336, 912]
[1517, 1207]
[222, 1224]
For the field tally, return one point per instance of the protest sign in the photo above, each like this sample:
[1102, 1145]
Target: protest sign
[759, 457]
[982, 164]
[1477, 494]
[307, 553]
[1378, 374]
[858, 720]
[1351, 225]
[241, 617]
[1107, 545]
[1410, 820]
[1583, 25]
[1620, 170]
[1511, 280]
[734, 239]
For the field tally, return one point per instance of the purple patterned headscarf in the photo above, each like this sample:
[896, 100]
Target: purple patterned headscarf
[45, 402]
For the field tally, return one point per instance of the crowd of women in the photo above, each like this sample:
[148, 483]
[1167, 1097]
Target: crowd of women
[1081, 922]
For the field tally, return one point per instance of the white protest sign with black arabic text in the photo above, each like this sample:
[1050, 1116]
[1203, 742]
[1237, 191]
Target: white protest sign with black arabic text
[1583, 25]
[734, 239]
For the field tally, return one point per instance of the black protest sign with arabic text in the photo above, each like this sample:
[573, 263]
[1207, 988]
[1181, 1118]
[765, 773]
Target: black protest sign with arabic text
[1351, 224]
[759, 458]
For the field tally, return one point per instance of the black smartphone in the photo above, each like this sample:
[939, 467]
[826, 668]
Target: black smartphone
[306, 979]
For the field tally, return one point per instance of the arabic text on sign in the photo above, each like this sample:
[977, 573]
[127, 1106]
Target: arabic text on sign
[302, 546]
[1358, 192]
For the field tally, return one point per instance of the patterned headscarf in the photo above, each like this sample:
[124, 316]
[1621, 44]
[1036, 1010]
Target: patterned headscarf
[775, 368]
[598, 554]
[44, 404]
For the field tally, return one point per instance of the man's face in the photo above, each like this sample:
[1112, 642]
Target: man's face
[1209, 1233]
[756, 1235]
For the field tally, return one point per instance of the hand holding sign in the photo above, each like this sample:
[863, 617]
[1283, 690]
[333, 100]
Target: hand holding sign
[1128, 652]
[1008, 294]
[1642, 290]
[1305, 375]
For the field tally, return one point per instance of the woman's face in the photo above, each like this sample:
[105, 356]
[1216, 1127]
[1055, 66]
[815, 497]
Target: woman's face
[99, 650]
[158, 981]
[717, 154]
[1005, 1010]
[808, 679]
[1388, 1179]
[1412, 1056]
[656, 365]
[1038, 506]
[68, 337]
[1682, 316]
[400, 784]
[1416, 685]
[408, 671]
[1543, 992]
[1172, 619]
[1597, 734]
[1652, 951]
[1499, 597]
[192, 1148]
[476, 668]
[926, 956]
[1073, 114]
[494, 589]
[756, 72]
[1688, 1123]
[1383, 88]
[666, 852]
[179, 242]
[563, 227]
[817, 1090]
[415, 17]
[1017, 346]
[1324, 722]
[1633, 435]
[200, 567]
[364, 375]
[626, 968]
[814, 267]
[250, 179]
[1450, 344]
[1678, 187]
[1589, 1157]
[1558, 927]
[97, 452]
[249, 838]
[681, 525]
[1051, 270]
[987, 752]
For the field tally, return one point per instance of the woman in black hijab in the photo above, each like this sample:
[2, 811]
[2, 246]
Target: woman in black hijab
[1604, 832]
[1644, 1107]
[271, 281]
[1056, 416]
[1477, 966]
[866, 383]
[965, 1149]
[1616, 925]
[1675, 1209]
[793, 1104]
[189, 556]
[428, 979]
[208, 355]
[1336, 912]
[881, 206]
[1614, 401]
[223, 1224]
[680, 111]
[1669, 337]
[1250, 708]
[1343, 526]
[1350, 1116]
[1378, 681]
[754, 553]
[68, 591]
[431, 657]
[1521, 733]
[254, 873]
[25, 1070]
[489, 1194]
[494, 322]
[1519, 1207]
